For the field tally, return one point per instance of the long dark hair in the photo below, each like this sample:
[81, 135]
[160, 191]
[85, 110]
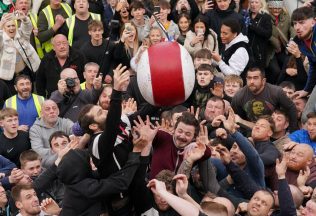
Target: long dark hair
[202, 19]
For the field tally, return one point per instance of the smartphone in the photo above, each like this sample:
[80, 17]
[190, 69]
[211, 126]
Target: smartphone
[157, 10]
[15, 15]
[128, 27]
[200, 32]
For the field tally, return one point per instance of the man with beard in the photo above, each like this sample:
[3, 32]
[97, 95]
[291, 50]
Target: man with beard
[110, 141]
[300, 156]
[27, 105]
[304, 26]
[169, 146]
[105, 97]
[260, 98]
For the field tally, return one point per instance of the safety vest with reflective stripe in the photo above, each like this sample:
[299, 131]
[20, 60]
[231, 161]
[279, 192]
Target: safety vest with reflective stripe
[38, 45]
[51, 21]
[71, 25]
[38, 100]
[83, 86]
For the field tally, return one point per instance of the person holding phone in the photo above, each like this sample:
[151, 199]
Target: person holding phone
[202, 37]
[127, 46]
[170, 26]
[223, 9]
[16, 53]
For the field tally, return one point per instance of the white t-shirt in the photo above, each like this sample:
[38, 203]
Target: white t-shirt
[40, 214]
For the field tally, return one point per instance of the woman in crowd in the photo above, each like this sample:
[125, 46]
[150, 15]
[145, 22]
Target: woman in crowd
[16, 53]
[259, 31]
[223, 9]
[184, 27]
[127, 46]
[235, 57]
[202, 37]
[281, 34]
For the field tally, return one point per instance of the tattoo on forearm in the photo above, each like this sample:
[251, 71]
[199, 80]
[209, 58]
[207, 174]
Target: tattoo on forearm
[185, 168]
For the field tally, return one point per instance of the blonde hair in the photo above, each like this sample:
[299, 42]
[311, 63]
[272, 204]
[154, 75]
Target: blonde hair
[135, 43]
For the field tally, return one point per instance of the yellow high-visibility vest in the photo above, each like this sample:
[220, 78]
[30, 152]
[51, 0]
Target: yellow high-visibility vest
[83, 86]
[38, 45]
[71, 25]
[51, 22]
[38, 100]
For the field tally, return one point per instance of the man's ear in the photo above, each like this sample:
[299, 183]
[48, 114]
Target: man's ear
[93, 126]
[270, 133]
[1, 124]
[18, 204]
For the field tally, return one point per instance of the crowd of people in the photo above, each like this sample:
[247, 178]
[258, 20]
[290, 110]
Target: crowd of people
[77, 136]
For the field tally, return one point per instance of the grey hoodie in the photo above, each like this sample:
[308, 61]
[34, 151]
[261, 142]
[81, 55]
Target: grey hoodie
[39, 135]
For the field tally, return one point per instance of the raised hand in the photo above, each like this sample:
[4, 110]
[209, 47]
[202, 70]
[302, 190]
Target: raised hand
[121, 78]
[230, 123]
[164, 126]
[49, 206]
[196, 113]
[156, 186]
[281, 166]
[203, 135]
[181, 184]
[97, 82]
[224, 153]
[145, 128]
[221, 133]
[218, 120]
[194, 152]
[129, 107]
[303, 176]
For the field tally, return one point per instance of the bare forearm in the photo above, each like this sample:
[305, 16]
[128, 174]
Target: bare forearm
[183, 207]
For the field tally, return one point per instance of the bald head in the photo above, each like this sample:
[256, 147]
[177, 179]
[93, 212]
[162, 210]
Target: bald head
[68, 72]
[300, 156]
[61, 46]
[307, 149]
[226, 202]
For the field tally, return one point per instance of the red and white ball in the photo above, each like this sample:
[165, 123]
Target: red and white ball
[165, 74]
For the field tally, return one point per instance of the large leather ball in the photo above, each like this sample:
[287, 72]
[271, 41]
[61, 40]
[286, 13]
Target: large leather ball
[165, 74]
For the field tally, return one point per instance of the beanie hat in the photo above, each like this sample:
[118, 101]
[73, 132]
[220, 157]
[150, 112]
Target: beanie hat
[275, 4]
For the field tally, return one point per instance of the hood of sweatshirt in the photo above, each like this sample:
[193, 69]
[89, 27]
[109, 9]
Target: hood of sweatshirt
[237, 39]
[74, 167]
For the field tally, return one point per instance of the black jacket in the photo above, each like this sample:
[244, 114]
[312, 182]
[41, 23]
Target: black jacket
[216, 17]
[259, 33]
[85, 192]
[49, 70]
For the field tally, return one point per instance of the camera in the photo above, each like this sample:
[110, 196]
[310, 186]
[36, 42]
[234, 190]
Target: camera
[70, 82]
